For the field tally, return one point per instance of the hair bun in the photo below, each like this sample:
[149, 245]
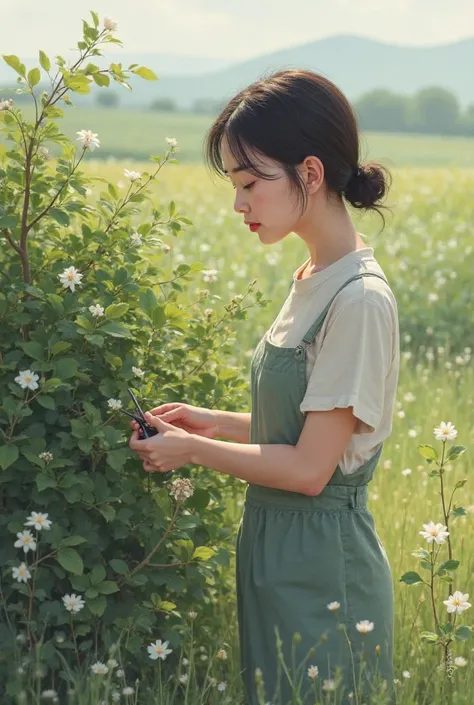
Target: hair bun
[367, 186]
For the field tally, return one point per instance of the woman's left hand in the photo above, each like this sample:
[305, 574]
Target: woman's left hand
[170, 449]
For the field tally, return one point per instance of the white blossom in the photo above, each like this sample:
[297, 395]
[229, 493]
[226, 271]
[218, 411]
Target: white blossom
[46, 456]
[112, 663]
[21, 574]
[181, 489]
[49, 695]
[70, 278]
[445, 432]
[39, 521]
[460, 661]
[73, 603]
[434, 532]
[192, 615]
[333, 606]
[209, 275]
[132, 175]
[137, 372]
[364, 627]
[115, 696]
[26, 541]
[457, 602]
[406, 674]
[158, 649]
[184, 678]
[120, 673]
[110, 24]
[172, 141]
[6, 104]
[114, 404]
[99, 668]
[313, 672]
[221, 686]
[27, 380]
[329, 684]
[128, 690]
[96, 310]
[88, 139]
[222, 654]
[136, 238]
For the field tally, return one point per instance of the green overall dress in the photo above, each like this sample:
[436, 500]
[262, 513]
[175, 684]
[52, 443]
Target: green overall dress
[295, 553]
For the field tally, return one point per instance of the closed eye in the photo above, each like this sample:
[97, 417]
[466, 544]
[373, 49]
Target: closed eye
[248, 187]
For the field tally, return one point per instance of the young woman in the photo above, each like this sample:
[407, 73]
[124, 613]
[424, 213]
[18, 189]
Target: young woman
[323, 382]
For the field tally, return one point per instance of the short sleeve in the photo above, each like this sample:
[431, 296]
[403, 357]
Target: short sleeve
[352, 364]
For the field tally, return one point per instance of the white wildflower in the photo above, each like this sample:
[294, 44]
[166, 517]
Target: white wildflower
[406, 674]
[364, 627]
[120, 673]
[181, 489]
[44, 153]
[333, 606]
[137, 372]
[128, 690]
[115, 404]
[70, 278]
[184, 678]
[46, 456]
[209, 275]
[88, 139]
[132, 175]
[115, 696]
[112, 663]
[6, 104]
[21, 574]
[460, 661]
[39, 521]
[26, 541]
[96, 310]
[136, 238]
[192, 615]
[329, 685]
[445, 432]
[221, 686]
[49, 694]
[27, 380]
[110, 24]
[313, 672]
[99, 668]
[172, 141]
[73, 603]
[434, 532]
[158, 650]
[407, 472]
[457, 602]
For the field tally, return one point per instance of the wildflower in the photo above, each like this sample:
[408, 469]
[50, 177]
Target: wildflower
[185, 662]
[49, 694]
[184, 678]
[132, 175]
[112, 663]
[313, 672]
[47, 457]
[137, 372]
[88, 139]
[460, 661]
[457, 602]
[39, 521]
[115, 404]
[96, 310]
[329, 684]
[406, 472]
[333, 606]
[172, 141]
[44, 153]
[364, 627]
[73, 603]
[6, 104]
[158, 649]
[445, 432]
[99, 668]
[27, 380]
[222, 686]
[110, 24]
[192, 615]
[128, 690]
[222, 654]
[434, 532]
[406, 674]
[21, 574]
[25, 541]
[209, 275]
[136, 238]
[181, 489]
[70, 278]
[120, 673]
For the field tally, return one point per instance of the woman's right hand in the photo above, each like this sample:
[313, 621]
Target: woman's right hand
[193, 419]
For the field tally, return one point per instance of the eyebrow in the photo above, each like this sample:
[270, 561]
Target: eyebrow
[236, 169]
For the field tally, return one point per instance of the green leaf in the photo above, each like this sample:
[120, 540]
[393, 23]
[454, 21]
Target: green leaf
[51, 384]
[97, 574]
[115, 311]
[118, 566]
[15, 63]
[44, 61]
[8, 455]
[411, 578]
[59, 216]
[116, 330]
[46, 402]
[33, 349]
[73, 541]
[421, 553]
[428, 452]
[95, 18]
[145, 73]
[70, 560]
[460, 484]
[101, 79]
[459, 512]
[455, 452]
[59, 347]
[148, 301]
[108, 587]
[44, 482]
[34, 77]
[92, 592]
[66, 367]
[429, 636]
[463, 633]
[203, 553]
[449, 565]
[165, 606]
[97, 605]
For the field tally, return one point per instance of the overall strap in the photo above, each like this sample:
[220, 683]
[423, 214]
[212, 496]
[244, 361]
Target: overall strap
[309, 337]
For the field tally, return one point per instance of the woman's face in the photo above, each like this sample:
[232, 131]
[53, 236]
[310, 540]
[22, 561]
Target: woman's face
[267, 202]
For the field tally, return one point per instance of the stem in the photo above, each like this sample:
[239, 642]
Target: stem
[433, 603]
[74, 640]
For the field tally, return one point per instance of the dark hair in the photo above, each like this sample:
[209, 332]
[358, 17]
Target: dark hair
[288, 116]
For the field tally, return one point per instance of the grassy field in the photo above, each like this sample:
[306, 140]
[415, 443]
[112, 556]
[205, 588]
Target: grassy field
[133, 134]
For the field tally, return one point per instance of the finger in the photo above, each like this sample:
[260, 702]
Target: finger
[157, 422]
[164, 408]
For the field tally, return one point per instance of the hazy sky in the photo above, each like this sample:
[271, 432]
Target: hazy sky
[231, 29]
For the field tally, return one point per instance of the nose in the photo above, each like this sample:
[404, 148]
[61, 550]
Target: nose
[240, 206]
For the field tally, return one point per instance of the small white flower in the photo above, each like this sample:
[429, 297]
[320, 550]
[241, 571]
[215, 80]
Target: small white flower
[457, 602]
[115, 696]
[172, 141]
[221, 686]
[25, 541]
[6, 104]
[73, 603]
[407, 472]
[128, 690]
[99, 668]
[136, 238]
[49, 694]
[137, 372]
[70, 278]
[44, 153]
[434, 532]
[364, 627]
[47, 457]
[181, 489]
[132, 175]
[445, 432]
[222, 654]
[88, 139]
[110, 24]
[209, 275]
[460, 661]
[27, 380]
[185, 662]
[114, 404]
[329, 684]
[120, 673]
[158, 649]
[406, 674]
[39, 521]
[112, 663]
[21, 574]
[313, 672]
[192, 615]
[333, 606]
[184, 678]
[96, 310]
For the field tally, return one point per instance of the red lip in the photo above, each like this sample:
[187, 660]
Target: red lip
[254, 226]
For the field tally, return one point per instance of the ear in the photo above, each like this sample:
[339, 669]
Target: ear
[313, 173]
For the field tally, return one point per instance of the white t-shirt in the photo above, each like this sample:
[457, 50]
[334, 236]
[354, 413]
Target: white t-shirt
[354, 359]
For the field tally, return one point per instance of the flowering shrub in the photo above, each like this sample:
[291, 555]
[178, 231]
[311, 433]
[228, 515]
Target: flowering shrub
[89, 548]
